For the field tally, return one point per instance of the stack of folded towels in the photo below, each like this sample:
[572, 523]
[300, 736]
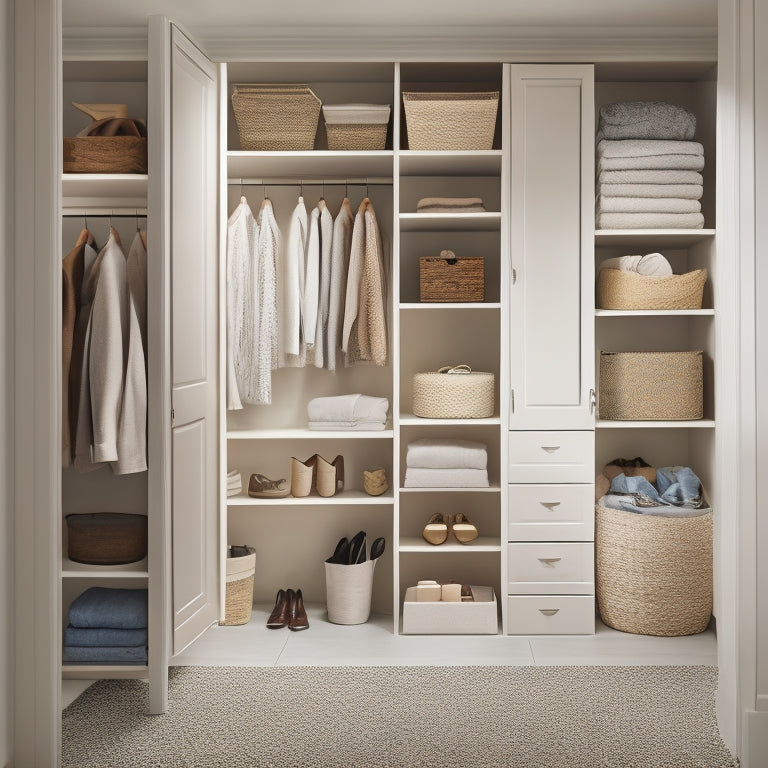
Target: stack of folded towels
[348, 412]
[438, 463]
[649, 170]
[234, 483]
[654, 264]
[107, 626]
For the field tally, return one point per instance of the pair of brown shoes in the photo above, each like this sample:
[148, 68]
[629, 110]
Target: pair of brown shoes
[288, 611]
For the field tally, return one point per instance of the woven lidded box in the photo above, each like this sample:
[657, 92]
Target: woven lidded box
[653, 386]
[453, 392]
[356, 126]
[627, 290]
[451, 278]
[106, 538]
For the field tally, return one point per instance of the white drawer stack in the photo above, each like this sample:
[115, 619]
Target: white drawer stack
[550, 563]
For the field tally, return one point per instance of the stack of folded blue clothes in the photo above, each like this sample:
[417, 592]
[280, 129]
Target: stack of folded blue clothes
[107, 626]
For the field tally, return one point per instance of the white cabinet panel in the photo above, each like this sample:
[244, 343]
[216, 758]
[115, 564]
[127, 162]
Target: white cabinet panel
[551, 457]
[551, 512]
[550, 615]
[551, 567]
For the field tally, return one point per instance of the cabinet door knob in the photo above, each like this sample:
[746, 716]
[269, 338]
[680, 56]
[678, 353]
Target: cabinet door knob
[550, 448]
[548, 611]
[550, 561]
[550, 505]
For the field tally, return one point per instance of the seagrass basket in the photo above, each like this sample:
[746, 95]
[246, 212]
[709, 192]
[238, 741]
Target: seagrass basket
[238, 600]
[627, 290]
[106, 538]
[651, 386]
[653, 575]
[361, 127]
[451, 278]
[105, 154]
[455, 392]
[275, 117]
[450, 120]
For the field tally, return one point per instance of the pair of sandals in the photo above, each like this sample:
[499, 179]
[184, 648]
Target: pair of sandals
[440, 525]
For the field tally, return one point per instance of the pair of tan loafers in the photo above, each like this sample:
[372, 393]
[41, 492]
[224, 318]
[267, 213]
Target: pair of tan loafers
[440, 525]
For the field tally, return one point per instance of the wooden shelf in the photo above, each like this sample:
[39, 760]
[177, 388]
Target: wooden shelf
[450, 222]
[104, 671]
[104, 190]
[480, 544]
[71, 569]
[450, 163]
[309, 164]
[450, 305]
[698, 424]
[495, 488]
[654, 312]
[345, 497]
[408, 419]
[653, 238]
[307, 434]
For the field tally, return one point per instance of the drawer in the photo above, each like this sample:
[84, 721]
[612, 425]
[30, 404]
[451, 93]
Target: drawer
[563, 568]
[551, 457]
[551, 512]
[550, 615]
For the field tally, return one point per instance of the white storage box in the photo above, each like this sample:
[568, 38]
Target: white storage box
[356, 126]
[478, 617]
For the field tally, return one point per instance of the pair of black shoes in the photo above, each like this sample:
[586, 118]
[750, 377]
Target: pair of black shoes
[353, 551]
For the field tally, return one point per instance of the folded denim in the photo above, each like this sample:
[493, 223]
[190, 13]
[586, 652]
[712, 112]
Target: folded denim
[675, 487]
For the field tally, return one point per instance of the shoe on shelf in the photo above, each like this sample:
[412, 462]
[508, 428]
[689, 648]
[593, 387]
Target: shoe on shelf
[340, 555]
[330, 476]
[297, 615]
[280, 613]
[302, 476]
[463, 528]
[357, 549]
[261, 487]
[436, 529]
[375, 481]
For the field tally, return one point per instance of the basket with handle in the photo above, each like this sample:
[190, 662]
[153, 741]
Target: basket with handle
[453, 392]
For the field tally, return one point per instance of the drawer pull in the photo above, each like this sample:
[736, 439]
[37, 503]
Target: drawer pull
[550, 505]
[550, 448]
[550, 561]
[548, 611]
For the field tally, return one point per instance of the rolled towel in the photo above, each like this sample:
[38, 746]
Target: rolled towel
[647, 120]
[348, 408]
[651, 162]
[651, 177]
[348, 426]
[647, 205]
[420, 477]
[450, 205]
[649, 221]
[681, 191]
[648, 148]
[100, 637]
[650, 264]
[439, 453]
[108, 607]
[104, 655]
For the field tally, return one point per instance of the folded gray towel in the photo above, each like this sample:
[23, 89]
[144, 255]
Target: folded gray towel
[450, 205]
[651, 162]
[647, 148]
[646, 205]
[647, 120]
[651, 177]
[649, 221]
[108, 607]
[101, 637]
[682, 191]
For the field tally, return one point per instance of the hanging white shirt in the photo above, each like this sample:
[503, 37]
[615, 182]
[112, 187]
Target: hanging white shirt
[342, 242]
[311, 279]
[291, 304]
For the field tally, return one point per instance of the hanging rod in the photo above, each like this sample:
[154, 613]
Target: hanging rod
[103, 213]
[299, 182]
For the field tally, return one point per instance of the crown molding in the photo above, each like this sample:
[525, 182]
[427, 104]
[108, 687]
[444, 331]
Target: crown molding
[396, 43]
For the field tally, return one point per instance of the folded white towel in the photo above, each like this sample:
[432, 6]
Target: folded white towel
[647, 148]
[450, 205]
[651, 177]
[233, 473]
[682, 191]
[651, 162]
[348, 426]
[646, 205]
[419, 477]
[348, 408]
[650, 264]
[438, 453]
[649, 221]
[234, 483]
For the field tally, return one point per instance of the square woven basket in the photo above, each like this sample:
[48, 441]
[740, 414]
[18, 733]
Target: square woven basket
[451, 278]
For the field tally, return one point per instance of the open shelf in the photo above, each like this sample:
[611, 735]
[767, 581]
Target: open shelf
[654, 312]
[310, 164]
[408, 419]
[344, 497]
[480, 544]
[698, 424]
[450, 305]
[71, 569]
[653, 238]
[299, 433]
[450, 222]
[450, 163]
[494, 488]
[104, 190]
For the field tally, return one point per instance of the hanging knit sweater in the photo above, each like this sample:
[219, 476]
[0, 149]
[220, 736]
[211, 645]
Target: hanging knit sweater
[292, 347]
[323, 301]
[311, 280]
[342, 243]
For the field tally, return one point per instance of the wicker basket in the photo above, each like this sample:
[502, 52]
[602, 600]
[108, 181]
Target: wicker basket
[653, 575]
[356, 126]
[452, 121]
[664, 386]
[448, 278]
[106, 538]
[238, 601]
[275, 117]
[627, 290]
[105, 154]
[453, 393]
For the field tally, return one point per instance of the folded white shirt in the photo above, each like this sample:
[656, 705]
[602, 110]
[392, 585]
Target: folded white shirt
[439, 453]
[420, 477]
[348, 408]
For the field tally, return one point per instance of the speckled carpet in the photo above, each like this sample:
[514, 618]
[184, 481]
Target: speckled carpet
[414, 717]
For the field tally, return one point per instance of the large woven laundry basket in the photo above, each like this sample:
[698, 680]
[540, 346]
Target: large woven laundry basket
[627, 290]
[238, 600]
[653, 575]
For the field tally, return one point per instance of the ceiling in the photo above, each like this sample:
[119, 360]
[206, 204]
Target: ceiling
[204, 14]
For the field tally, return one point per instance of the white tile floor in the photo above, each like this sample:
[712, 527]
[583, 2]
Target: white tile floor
[374, 644]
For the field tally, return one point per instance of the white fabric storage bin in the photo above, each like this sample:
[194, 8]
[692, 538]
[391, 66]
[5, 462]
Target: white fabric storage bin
[348, 592]
[477, 617]
[356, 126]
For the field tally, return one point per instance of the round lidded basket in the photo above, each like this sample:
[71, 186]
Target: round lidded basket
[106, 538]
[653, 575]
[238, 600]
[626, 290]
[453, 392]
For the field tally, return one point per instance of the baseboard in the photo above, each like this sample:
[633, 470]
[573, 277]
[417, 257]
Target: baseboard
[755, 740]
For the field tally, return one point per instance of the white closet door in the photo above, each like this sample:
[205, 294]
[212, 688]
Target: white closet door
[552, 236]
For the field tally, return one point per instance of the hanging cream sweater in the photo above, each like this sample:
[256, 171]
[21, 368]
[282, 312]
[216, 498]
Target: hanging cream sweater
[342, 242]
[323, 301]
[292, 347]
[311, 280]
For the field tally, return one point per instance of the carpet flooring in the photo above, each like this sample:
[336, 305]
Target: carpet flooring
[414, 717]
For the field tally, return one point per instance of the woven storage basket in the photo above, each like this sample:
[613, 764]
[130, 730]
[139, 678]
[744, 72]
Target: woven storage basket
[356, 126]
[106, 538]
[453, 121]
[238, 600]
[450, 278]
[105, 154]
[627, 290]
[453, 393]
[653, 575]
[664, 386]
[275, 117]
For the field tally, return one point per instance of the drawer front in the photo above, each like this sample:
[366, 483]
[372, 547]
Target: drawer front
[551, 568]
[551, 512]
[551, 457]
[550, 615]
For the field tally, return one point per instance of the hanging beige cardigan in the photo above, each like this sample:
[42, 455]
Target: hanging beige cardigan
[342, 243]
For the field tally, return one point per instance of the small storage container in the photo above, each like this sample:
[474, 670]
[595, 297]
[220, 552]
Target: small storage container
[451, 120]
[276, 117]
[348, 590]
[238, 600]
[106, 538]
[652, 386]
[451, 278]
[455, 392]
[356, 126]
[626, 290]
[476, 617]
[105, 154]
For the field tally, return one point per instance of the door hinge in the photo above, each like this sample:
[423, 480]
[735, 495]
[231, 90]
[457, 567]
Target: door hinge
[173, 416]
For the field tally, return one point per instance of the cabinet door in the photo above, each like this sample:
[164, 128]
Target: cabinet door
[552, 246]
